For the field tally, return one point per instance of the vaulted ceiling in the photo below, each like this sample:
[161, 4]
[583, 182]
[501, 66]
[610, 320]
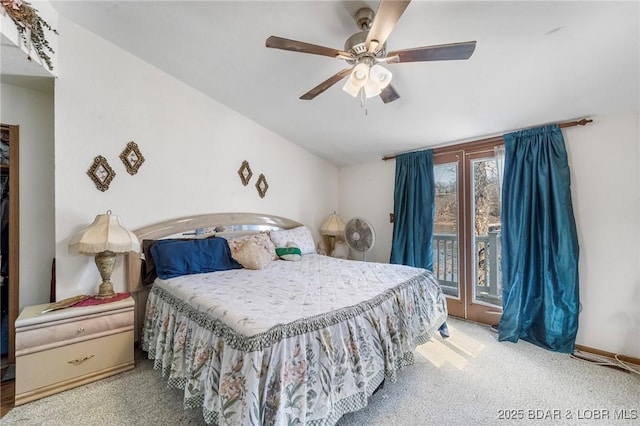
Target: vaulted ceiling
[535, 63]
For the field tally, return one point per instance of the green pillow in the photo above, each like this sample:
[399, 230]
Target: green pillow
[289, 253]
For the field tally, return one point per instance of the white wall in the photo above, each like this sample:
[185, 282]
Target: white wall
[604, 162]
[604, 165]
[193, 147]
[366, 190]
[32, 110]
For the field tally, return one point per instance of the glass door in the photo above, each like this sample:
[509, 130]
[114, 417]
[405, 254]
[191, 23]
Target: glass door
[483, 218]
[448, 260]
[466, 241]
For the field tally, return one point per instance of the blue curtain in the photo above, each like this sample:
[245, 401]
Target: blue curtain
[413, 210]
[540, 301]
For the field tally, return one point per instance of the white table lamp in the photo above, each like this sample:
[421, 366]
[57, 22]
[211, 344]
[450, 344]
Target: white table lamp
[332, 228]
[104, 239]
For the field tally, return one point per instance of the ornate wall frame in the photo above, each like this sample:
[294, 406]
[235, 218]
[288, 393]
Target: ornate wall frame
[132, 158]
[101, 173]
[245, 173]
[262, 185]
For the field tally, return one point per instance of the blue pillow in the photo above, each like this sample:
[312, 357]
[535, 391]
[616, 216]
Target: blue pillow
[183, 257]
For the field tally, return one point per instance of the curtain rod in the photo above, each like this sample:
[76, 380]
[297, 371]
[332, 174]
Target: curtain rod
[582, 122]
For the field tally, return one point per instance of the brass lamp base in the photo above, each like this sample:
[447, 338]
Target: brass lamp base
[105, 291]
[105, 261]
[332, 244]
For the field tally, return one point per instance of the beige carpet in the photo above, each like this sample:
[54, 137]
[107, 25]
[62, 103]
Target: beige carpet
[468, 379]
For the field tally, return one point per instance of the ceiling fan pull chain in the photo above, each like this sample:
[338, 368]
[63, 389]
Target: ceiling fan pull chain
[363, 101]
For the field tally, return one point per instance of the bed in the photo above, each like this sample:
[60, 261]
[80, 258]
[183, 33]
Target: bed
[298, 341]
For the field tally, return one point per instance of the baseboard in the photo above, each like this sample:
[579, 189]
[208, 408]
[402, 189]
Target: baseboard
[625, 358]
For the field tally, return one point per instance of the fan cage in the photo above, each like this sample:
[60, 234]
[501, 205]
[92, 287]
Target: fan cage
[366, 236]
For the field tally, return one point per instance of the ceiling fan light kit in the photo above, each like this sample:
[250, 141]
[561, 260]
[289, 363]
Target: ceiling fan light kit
[371, 79]
[364, 50]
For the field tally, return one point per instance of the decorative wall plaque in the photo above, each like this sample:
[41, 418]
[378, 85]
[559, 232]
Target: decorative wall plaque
[262, 185]
[101, 173]
[132, 158]
[245, 173]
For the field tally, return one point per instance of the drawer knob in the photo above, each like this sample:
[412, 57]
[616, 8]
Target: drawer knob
[80, 329]
[79, 360]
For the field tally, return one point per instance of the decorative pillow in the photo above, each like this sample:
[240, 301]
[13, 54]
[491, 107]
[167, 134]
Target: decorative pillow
[300, 236]
[252, 255]
[173, 258]
[291, 252]
[148, 272]
[262, 239]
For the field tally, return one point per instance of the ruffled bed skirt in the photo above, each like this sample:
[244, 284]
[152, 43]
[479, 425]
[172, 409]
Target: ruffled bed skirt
[310, 372]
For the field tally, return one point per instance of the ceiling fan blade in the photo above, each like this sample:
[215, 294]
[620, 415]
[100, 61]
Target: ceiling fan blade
[300, 46]
[388, 13]
[389, 94]
[443, 52]
[326, 84]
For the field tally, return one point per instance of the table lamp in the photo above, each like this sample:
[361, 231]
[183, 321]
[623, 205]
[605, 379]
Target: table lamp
[104, 239]
[332, 228]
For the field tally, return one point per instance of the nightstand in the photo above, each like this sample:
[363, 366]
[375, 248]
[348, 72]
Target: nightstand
[70, 347]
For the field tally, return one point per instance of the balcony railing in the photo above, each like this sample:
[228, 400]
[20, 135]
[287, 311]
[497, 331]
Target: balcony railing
[486, 272]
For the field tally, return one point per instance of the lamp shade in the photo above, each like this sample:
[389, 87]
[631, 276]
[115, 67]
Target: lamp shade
[357, 79]
[333, 226]
[380, 76]
[106, 233]
[371, 89]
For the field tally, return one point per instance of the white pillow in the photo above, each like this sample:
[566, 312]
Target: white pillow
[300, 236]
[262, 239]
[252, 255]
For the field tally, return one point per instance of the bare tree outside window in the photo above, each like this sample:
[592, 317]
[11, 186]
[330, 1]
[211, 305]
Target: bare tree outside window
[486, 200]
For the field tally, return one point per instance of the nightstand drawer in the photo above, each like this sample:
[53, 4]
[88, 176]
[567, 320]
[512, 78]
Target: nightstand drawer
[49, 335]
[61, 364]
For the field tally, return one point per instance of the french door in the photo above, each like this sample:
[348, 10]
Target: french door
[466, 240]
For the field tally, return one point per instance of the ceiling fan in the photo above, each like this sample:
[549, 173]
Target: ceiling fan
[366, 50]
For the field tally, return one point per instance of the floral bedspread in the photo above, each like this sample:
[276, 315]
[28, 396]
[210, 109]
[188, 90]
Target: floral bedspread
[293, 343]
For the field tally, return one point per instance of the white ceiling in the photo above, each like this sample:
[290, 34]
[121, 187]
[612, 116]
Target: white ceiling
[535, 63]
[18, 69]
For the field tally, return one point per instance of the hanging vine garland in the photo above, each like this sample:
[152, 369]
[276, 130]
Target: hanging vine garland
[30, 26]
